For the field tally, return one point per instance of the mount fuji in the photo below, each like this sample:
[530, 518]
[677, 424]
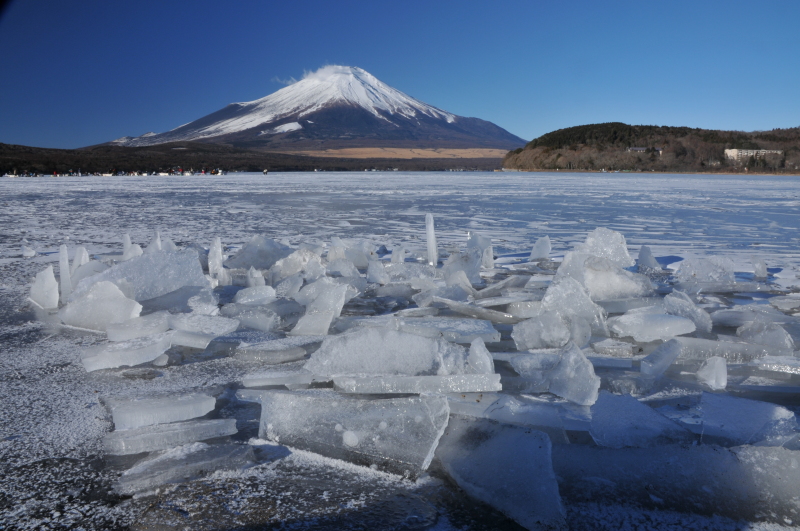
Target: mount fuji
[335, 107]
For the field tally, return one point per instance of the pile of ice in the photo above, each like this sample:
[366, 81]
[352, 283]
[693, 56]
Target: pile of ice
[519, 376]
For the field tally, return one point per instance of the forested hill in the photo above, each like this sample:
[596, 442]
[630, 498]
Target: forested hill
[660, 148]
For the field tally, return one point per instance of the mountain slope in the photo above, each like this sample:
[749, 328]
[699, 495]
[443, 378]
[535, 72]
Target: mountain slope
[336, 107]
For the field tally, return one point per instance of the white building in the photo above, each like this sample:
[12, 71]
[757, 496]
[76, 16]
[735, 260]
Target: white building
[739, 154]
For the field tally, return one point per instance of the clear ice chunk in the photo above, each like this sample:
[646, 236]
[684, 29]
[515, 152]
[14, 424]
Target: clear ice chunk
[384, 351]
[545, 331]
[644, 327]
[321, 311]
[397, 434]
[183, 464]
[100, 306]
[706, 269]
[80, 258]
[484, 245]
[733, 421]
[255, 295]
[150, 276]
[658, 361]
[377, 274]
[64, 274]
[541, 249]
[647, 261]
[260, 252]
[759, 268]
[254, 317]
[714, 373]
[680, 304]
[126, 353]
[92, 267]
[608, 244]
[131, 252]
[392, 385]
[255, 278]
[135, 413]
[299, 262]
[479, 312]
[44, 291]
[342, 268]
[766, 333]
[568, 374]
[508, 467]
[146, 325]
[468, 261]
[165, 436]
[738, 316]
[266, 379]
[28, 252]
[620, 421]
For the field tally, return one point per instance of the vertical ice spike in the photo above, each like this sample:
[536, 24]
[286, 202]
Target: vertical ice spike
[433, 250]
[64, 274]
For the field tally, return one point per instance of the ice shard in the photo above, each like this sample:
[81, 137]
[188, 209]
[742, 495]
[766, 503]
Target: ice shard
[126, 353]
[645, 327]
[146, 325]
[100, 306]
[165, 436]
[81, 257]
[714, 373]
[508, 467]
[433, 249]
[260, 252]
[64, 274]
[135, 413]
[44, 290]
[658, 361]
[541, 249]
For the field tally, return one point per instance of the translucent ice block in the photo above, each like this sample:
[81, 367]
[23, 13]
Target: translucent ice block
[183, 464]
[544, 331]
[508, 467]
[255, 295]
[461, 383]
[484, 245]
[680, 304]
[608, 244]
[714, 373]
[541, 249]
[260, 252]
[645, 327]
[126, 353]
[468, 261]
[164, 436]
[731, 420]
[453, 329]
[654, 365]
[44, 290]
[433, 249]
[149, 276]
[620, 421]
[99, 306]
[203, 324]
[398, 434]
[266, 379]
[64, 274]
[136, 413]
[700, 349]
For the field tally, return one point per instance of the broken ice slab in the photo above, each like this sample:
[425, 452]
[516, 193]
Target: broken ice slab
[495, 290]
[392, 385]
[520, 411]
[197, 330]
[272, 378]
[321, 310]
[544, 331]
[625, 305]
[746, 483]
[786, 303]
[255, 317]
[608, 244]
[197, 299]
[278, 350]
[255, 295]
[92, 267]
[454, 329]
[739, 316]
[734, 352]
[620, 421]
[102, 304]
[680, 304]
[478, 312]
[778, 364]
[714, 373]
[64, 273]
[260, 252]
[612, 347]
[44, 291]
[541, 249]
[183, 464]
[609, 362]
[505, 300]
[468, 261]
[508, 467]
[150, 276]
[146, 325]
[135, 413]
[430, 233]
[644, 327]
[397, 434]
[126, 353]
[766, 333]
[706, 269]
[384, 351]
[567, 374]
[164, 436]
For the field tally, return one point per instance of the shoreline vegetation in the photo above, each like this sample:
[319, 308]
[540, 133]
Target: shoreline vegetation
[643, 148]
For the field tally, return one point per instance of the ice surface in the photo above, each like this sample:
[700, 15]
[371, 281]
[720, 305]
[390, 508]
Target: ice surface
[260, 252]
[508, 467]
[65, 281]
[766, 333]
[655, 363]
[165, 436]
[100, 306]
[183, 464]
[126, 353]
[644, 327]
[647, 261]
[146, 325]
[544, 331]
[608, 244]
[484, 245]
[468, 261]
[706, 269]
[255, 295]
[541, 249]
[135, 413]
[372, 351]
[397, 434]
[680, 304]
[44, 290]
[714, 373]
[430, 233]
[150, 276]
[620, 421]
[460, 383]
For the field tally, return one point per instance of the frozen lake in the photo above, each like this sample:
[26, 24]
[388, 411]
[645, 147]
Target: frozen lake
[52, 422]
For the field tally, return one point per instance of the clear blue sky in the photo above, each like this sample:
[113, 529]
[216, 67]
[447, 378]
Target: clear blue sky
[79, 73]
